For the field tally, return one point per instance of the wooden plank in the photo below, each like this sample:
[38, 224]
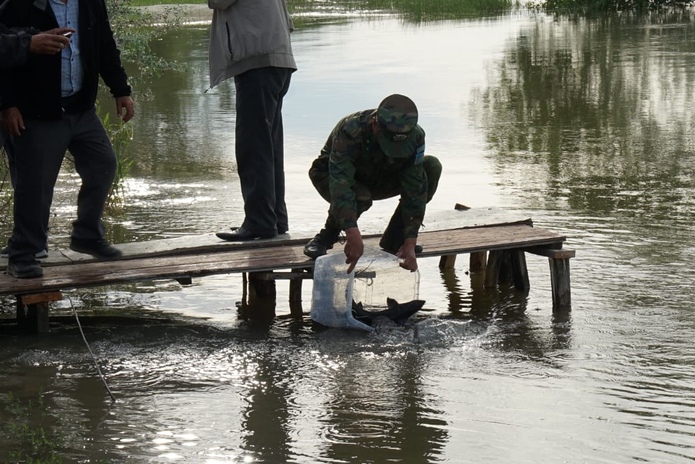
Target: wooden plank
[257, 257]
[196, 244]
[111, 272]
[552, 253]
[39, 298]
[458, 241]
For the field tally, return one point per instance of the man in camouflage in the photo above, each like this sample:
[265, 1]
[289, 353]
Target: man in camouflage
[373, 155]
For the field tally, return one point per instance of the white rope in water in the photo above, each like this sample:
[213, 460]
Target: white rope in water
[94, 358]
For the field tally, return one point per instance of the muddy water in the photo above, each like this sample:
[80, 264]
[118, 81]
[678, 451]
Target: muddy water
[582, 125]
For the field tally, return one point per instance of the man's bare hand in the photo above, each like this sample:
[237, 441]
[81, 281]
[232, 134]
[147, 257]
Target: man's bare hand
[12, 121]
[407, 253]
[354, 247]
[50, 42]
[125, 107]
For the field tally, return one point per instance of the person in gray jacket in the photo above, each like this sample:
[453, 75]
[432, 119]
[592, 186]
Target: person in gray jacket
[250, 41]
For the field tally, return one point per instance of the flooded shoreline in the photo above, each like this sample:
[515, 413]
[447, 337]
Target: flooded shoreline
[561, 120]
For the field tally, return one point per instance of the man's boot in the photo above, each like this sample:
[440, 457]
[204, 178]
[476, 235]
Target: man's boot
[322, 242]
[392, 239]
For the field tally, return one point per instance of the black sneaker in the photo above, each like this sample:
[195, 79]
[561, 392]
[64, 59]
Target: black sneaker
[24, 269]
[5, 253]
[99, 248]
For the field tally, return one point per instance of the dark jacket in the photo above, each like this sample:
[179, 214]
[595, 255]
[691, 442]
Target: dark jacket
[35, 86]
[14, 47]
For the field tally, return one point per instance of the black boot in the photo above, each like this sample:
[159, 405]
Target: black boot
[392, 239]
[321, 243]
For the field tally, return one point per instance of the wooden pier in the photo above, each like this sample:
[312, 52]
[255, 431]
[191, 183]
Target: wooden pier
[496, 250]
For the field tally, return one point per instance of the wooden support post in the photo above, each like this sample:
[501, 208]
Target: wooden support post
[517, 260]
[559, 261]
[560, 283]
[184, 280]
[478, 261]
[478, 275]
[507, 266]
[506, 274]
[32, 311]
[451, 283]
[262, 293]
[296, 295]
[492, 270]
[447, 262]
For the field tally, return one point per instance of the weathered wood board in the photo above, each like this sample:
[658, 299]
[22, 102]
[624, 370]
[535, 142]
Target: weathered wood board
[209, 256]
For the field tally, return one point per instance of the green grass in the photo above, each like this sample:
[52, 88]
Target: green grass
[23, 427]
[165, 2]
[417, 9]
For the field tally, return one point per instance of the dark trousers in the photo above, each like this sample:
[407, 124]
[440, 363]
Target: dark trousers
[36, 159]
[259, 148]
[365, 194]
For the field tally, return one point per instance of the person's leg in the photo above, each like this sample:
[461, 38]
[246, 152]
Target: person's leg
[10, 169]
[433, 169]
[95, 162]
[364, 198]
[36, 158]
[257, 98]
[393, 236]
[48, 196]
[277, 132]
[318, 174]
[328, 236]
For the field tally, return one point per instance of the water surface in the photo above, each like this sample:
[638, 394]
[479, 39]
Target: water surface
[581, 125]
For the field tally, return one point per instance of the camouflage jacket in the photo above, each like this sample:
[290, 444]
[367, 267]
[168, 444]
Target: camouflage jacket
[353, 155]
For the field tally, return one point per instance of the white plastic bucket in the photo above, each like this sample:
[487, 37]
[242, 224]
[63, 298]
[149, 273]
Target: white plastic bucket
[376, 277]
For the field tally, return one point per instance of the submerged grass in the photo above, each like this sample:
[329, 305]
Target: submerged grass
[29, 434]
[27, 440]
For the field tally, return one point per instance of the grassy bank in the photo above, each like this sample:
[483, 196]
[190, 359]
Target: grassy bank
[416, 8]
[165, 2]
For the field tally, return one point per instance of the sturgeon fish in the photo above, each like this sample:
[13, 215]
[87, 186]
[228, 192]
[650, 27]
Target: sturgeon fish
[395, 311]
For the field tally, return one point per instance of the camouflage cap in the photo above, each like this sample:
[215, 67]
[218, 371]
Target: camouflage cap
[397, 117]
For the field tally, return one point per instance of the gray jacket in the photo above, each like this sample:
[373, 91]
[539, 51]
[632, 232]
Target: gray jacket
[248, 34]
